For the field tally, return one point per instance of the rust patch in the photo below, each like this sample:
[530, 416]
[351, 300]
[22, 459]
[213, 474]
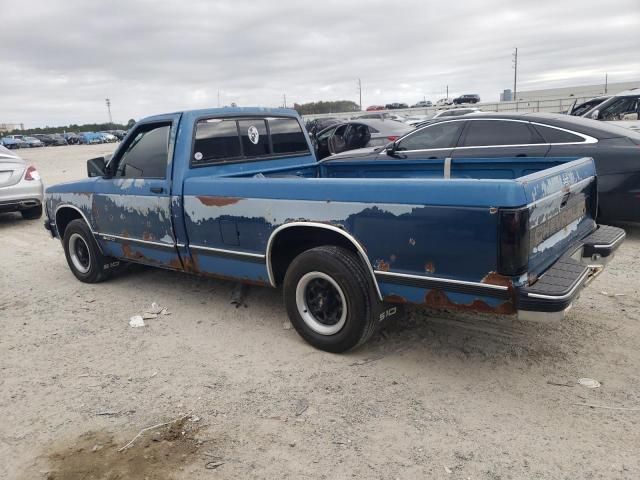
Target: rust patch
[439, 300]
[217, 201]
[148, 236]
[429, 267]
[493, 278]
[382, 266]
[412, 242]
[395, 299]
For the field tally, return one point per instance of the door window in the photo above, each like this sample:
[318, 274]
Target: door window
[438, 135]
[619, 108]
[480, 133]
[147, 154]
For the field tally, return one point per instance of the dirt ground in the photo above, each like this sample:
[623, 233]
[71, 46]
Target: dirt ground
[431, 396]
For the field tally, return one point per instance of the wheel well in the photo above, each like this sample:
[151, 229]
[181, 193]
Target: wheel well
[292, 241]
[64, 216]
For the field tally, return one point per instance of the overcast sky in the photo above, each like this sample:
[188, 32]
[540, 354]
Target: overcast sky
[59, 60]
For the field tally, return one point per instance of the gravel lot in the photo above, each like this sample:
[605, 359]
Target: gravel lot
[432, 396]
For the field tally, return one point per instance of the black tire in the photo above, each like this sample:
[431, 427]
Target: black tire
[32, 213]
[318, 269]
[78, 240]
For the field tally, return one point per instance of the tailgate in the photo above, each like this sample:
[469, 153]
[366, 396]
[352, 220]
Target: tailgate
[562, 206]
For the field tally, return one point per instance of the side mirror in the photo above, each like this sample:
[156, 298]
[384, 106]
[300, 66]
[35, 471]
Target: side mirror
[391, 149]
[595, 115]
[96, 167]
[630, 116]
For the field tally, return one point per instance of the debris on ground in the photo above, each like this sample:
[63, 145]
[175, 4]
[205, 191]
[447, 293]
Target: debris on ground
[607, 294]
[238, 295]
[301, 407]
[213, 465]
[136, 321]
[589, 382]
[287, 325]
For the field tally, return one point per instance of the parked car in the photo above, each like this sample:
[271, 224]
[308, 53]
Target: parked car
[107, 137]
[623, 108]
[578, 110]
[119, 134]
[414, 120]
[356, 134]
[244, 198]
[71, 138]
[396, 106]
[21, 189]
[423, 104]
[318, 124]
[33, 142]
[380, 116]
[374, 108]
[533, 135]
[467, 98]
[11, 143]
[90, 138]
[15, 141]
[455, 112]
[443, 102]
[48, 140]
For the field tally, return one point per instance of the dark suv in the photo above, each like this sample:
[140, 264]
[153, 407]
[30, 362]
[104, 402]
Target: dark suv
[467, 98]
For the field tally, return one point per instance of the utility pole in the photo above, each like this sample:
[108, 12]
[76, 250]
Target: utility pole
[606, 82]
[360, 90]
[108, 102]
[218, 98]
[284, 99]
[447, 93]
[515, 77]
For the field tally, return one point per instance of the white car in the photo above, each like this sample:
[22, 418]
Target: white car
[21, 187]
[443, 102]
[623, 108]
[456, 112]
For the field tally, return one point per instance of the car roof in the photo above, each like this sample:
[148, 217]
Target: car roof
[629, 93]
[587, 126]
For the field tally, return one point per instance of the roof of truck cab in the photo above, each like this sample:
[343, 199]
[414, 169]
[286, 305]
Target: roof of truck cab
[230, 112]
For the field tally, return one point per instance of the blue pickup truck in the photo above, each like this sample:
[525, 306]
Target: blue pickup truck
[238, 194]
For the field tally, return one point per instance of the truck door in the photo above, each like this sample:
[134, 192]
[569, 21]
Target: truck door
[132, 205]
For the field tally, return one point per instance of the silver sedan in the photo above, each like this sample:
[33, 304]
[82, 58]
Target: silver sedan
[21, 187]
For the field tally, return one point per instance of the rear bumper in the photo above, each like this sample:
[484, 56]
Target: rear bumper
[552, 295]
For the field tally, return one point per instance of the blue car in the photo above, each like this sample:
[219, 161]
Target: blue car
[89, 138]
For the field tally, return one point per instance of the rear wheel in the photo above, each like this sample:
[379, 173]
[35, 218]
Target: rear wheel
[32, 213]
[83, 255]
[329, 298]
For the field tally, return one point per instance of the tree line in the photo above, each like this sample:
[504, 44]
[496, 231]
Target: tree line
[326, 107]
[86, 127]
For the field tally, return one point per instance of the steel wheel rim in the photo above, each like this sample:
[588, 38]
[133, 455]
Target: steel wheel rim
[321, 303]
[79, 253]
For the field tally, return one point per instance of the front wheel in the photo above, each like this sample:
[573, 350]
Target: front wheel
[83, 255]
[329, 298]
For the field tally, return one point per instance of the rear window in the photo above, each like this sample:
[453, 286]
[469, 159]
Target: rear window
[223, 140]
[287, 136]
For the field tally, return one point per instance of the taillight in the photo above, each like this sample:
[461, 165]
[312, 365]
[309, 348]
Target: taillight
[32, 174]
[393, 138]
[513, 257]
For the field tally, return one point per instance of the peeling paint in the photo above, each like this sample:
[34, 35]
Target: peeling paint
[494, 278]
[437, 299]
[382, 266]
[217, 201]
[429, 267]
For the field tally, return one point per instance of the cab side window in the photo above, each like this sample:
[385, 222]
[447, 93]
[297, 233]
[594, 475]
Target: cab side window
[147, 154]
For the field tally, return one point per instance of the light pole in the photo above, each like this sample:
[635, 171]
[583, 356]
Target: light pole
[108, 102]
[360, 90]
[515, 76]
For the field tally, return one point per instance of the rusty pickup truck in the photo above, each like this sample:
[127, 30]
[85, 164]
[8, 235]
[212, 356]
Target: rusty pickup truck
[239, 194]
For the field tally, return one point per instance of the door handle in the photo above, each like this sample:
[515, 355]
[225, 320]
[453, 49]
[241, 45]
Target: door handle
[157, 189]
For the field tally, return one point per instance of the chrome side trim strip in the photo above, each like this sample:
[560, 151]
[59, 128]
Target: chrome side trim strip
[226, 252]
[109, 236]
[333, 228]
[443, 280]
[570, 293]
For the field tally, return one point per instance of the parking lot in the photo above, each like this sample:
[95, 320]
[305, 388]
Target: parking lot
[433, 395]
